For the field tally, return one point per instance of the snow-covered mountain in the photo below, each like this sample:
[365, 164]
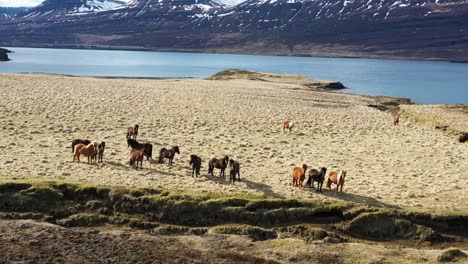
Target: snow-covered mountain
[73, 7]
[395, 28]
[7, 13]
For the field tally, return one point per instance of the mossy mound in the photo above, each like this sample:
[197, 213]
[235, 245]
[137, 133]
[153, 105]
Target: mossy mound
[383, 226]
[303, 232]
[179, 230]
[83, 220]
[254, 232]
[452, 255]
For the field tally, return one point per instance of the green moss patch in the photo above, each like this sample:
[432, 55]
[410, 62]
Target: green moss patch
[254, 232]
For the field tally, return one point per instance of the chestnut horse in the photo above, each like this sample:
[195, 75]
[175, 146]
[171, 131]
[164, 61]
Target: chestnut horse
[396, 120]
[234, 169]
[135, 157]
[218, 164]
[146, 147]
[336, 177]
[89, 150]
[317, 176]
[196, 162]
[79, 141]
[132, 132]
[288, 125]
[299, 175]
[168, 154]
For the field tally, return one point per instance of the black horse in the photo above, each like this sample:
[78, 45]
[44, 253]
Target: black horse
[218, 164]
[234, 169]
[317, 176]
[146, 147]
[168, 154]
[79, 141]
[195, 161]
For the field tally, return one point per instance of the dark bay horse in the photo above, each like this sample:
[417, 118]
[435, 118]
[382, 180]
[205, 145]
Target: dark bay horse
[168, 154]
[101, 148]
[196, 162]
[234, 169]
[317, 176]
[79, 141]
[218, 164]
[132, 132]
[146, 147]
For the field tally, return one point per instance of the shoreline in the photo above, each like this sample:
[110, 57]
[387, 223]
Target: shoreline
[403, 100]
[338, 55]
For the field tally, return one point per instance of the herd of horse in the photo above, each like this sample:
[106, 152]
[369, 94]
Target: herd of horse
[94, 152]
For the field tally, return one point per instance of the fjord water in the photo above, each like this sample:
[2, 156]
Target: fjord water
[426, 82]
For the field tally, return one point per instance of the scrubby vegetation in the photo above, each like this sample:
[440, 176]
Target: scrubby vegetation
[174, 212]
[452, 255]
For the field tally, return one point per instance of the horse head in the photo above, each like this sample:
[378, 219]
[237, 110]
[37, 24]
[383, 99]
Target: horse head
[323, 171]
[176, 149]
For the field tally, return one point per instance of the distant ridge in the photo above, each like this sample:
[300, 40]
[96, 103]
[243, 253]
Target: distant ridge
[416, 29]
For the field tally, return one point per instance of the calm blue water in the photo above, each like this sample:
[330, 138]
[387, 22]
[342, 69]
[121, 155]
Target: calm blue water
[423, 81]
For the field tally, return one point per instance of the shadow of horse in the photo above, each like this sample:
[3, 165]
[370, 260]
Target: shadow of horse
[356, 198]
[126, 166]
[266, 189]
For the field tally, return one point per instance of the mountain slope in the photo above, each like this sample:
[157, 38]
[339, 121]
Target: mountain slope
[72, 7]
[430, 29]
[6, 13]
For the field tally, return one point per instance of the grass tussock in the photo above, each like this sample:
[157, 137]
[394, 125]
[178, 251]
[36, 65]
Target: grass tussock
[452, 255]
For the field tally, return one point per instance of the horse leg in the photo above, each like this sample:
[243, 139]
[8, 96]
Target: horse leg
[238, 174]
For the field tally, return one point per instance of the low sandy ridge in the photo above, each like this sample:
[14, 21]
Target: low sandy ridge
[408, 166]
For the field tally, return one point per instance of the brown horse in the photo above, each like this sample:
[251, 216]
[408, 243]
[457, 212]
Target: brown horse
[218, 164]
[299, 175]
[168, 154]
[135, 157]
[146, 147]
[132, 132]
[234, 169]
[89, 151]
[336, 177]
[79, 141]
[288, 125]
[396, 120]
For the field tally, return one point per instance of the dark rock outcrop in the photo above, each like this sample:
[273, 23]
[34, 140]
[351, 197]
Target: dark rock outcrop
[4, 56]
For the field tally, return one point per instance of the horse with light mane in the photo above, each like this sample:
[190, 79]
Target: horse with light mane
[218, 164]
[135, 157]
[299, 175]
[79, 141]
[336, 177]
[196, 162]
[168, 154]
[288, 125]
[234, 169]
[89, 151]
[132, 132]
[146, 147]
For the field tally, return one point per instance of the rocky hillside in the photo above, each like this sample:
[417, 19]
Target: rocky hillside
[428, 29]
